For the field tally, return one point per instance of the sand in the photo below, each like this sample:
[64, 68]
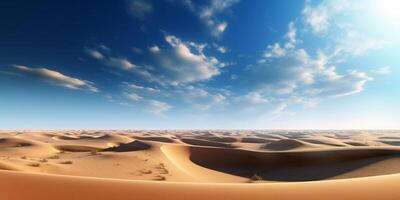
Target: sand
[200, 164]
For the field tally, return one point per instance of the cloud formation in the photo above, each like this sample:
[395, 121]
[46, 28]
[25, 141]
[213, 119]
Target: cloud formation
[287, 72]
[180, 62]
[158, 107]
[385, 70]
[200, 98]
[56, 78]
[185, 62]
[208, 14]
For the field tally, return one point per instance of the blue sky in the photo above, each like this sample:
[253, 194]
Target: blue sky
[217, 64]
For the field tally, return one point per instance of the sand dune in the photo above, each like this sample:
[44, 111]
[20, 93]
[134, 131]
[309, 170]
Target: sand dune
[217, 139]
[199, 165]
[155, 138]
[76, 148]
[198, 142]
[255, 140]
[132, 146]
[326, 141]
[285, 144]
[13, 142]
[290, 166]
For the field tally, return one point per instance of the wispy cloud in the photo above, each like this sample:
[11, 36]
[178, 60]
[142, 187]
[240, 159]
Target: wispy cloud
[254, 98]
[320, 17]
[385, 70]
[277, 50]
[140, 9]
[180, 62]
[208, 14]
[287, 72]
[158, 107]
[184, 62]
[56, 78]
[200, 98]
[105, 55]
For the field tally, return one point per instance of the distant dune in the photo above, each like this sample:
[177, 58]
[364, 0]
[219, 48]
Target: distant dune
[199, 165]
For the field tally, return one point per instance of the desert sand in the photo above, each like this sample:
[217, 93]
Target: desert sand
[199, 164]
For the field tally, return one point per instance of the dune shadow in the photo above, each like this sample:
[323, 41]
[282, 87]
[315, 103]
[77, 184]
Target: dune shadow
[288, 166]
[391, 142]
[131, 146]
[207, 143]
[155, 138]
[13, 142]
[76, 148]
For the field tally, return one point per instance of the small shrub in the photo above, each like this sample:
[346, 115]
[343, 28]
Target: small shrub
[34, 165]
[53, 157]
[145, 171]
[68, 162]
[256, 177]
[160, 178]
[23, 157]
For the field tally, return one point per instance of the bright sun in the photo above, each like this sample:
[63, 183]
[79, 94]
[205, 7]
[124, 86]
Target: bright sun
[388, 10]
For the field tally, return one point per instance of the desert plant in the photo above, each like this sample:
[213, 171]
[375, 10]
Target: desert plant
[34, 164]
[68, 162]
[53, 157]
[256, 177]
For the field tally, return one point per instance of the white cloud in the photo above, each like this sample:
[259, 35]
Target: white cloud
[137, 50]
[276, 50]
[354, 43]
[182, 64]
[140, 8]
[220, 28]
[286, 72]
[209, 14]
[221, 49]
[131, 86]
[94, 53]
[337, 22]
[195, 91]
[255, 97]
[291, 72]
[56, 78]
[200, 98]
[340, 85]
[280, 108]
[158, 107]
[385, 70]
[320, 17]
[317, 18]
[104, 56]
[122, 63]
[291, 36]
[132, 96]
[154, 49]
[143, 97]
